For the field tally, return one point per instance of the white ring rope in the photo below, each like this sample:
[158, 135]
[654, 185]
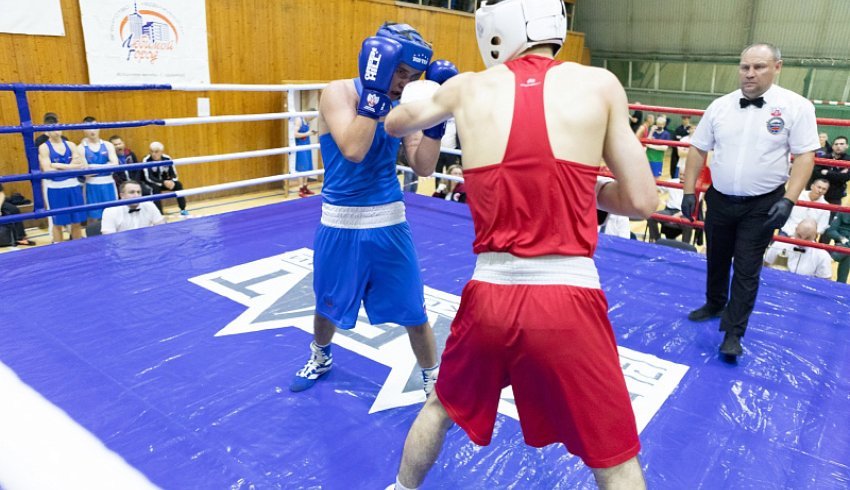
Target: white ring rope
[232, 87]
[269, 116]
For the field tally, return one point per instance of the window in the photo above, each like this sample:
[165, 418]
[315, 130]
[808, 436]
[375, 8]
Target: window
[699, 77]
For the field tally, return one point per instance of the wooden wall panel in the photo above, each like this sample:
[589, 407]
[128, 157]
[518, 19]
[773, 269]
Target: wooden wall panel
[250, 41]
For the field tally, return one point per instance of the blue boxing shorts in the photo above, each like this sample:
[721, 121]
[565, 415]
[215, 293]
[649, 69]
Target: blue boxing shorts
[367, 254]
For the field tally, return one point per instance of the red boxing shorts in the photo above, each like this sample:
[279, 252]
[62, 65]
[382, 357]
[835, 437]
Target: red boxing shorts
[555, 346]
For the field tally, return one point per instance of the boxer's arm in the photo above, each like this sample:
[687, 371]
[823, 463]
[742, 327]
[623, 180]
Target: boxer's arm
[353, 134]
[113, 157]
[422, 153]
[634, 193]
[416, 116]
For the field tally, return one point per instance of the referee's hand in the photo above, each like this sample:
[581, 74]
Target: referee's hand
[779, 213]
[689, 204]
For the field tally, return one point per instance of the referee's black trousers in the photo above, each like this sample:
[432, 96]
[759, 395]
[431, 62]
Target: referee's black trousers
[734, 228]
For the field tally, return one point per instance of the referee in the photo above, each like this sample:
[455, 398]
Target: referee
[752, 132]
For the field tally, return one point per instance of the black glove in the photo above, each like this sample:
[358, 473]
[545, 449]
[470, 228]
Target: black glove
[779, 213]
[689, 203]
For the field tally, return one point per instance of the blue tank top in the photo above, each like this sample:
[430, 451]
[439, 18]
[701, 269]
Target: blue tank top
[368, 183]
[99, 157]
[60, 158]
[303, 129]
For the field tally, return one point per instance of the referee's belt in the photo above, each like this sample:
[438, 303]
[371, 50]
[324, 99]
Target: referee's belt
[740, 199]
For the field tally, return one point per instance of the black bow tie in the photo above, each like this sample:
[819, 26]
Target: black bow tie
[758, 102]
[135, 210]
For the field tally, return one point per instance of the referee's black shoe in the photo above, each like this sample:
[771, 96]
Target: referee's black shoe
[731, 345]
[704, 312]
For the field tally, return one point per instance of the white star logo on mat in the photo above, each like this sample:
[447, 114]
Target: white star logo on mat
[278, 293]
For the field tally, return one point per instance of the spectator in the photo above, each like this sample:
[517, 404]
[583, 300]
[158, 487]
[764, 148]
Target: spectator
[643, 130]
[655, 153]
[303, 159]
[635, 119]
[163, 178]
[837, 176]
[816, 191]
[126, 156]
[682, 151]
[100, 187]
[131, 216]
[673, 207]
[11, 233]
[825, 150]
[49, 118]
[453, 191]
[62, 192]
[805, 261]
[446, 161]
[839, 231]
[682, 131]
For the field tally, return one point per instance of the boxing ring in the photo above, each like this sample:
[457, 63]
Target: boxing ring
[115, 374]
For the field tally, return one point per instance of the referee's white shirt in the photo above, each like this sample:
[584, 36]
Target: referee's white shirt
[752, 146]
[119, 218]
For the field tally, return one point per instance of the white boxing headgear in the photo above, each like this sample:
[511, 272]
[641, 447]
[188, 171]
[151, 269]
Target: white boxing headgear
[508, 27]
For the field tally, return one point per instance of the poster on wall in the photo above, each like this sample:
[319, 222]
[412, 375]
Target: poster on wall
[145, 41]
[34, 17]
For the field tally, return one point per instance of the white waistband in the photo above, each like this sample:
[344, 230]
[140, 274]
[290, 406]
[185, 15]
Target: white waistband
[61, 184]
[363, 217]
[99, 179]
[504, 268]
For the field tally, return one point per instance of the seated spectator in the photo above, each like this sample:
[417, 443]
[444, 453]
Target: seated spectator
[839, 231]
[453, 191]
[816, 191]
[825, 150]
[11, 234]
[126, 157]
[56, 155]
[49, 118]
[655, 153]
[804, 261]
[673, 207]
[100, 187]
[836, 176]
[164, 178]
[132, 216]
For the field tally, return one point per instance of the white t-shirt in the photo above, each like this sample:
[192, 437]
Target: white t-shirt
[809, 262]
[799, 213]
[751, 145]
[119, 218]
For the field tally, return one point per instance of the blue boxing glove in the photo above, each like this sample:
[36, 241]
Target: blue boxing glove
[379, 58]
[439, 71]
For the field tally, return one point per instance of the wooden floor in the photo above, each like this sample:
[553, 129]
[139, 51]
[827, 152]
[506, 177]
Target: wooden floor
[425, 186]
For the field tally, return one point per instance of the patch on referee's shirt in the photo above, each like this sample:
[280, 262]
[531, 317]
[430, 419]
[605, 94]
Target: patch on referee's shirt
[775, 125]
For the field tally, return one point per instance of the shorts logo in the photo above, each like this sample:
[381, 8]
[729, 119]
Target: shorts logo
[277, 293]
[775, 125]
[372, 65]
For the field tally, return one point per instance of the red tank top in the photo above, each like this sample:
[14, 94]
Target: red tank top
[532, 204]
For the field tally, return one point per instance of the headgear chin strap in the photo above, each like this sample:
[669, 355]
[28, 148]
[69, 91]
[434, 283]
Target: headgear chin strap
[508, 27]
[416, 53]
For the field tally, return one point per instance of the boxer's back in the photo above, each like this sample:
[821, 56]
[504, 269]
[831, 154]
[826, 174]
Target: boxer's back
[577, 113]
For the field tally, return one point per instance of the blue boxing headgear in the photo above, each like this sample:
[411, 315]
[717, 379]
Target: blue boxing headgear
[416, 53]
